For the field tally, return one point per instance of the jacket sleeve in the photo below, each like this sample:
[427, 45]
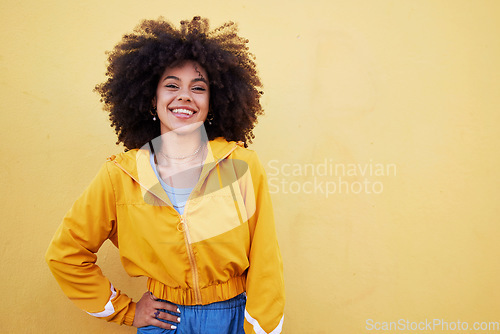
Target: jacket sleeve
[265, 284]
[71, 255]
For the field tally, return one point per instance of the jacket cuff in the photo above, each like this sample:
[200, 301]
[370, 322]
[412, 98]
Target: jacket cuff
[129, 316]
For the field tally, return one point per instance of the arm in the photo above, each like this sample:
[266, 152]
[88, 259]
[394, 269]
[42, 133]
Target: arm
[71, 255]
[265, 285]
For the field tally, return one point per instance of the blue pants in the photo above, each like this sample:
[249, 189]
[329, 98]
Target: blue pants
[224, 317]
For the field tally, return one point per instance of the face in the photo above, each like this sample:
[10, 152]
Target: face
[182, 98]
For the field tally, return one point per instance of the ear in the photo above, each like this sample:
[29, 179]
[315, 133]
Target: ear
[153, 103]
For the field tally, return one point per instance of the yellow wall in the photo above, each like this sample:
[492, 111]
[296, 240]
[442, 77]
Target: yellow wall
[409, 86]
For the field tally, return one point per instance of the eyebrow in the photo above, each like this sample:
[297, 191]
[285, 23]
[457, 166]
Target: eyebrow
[171, 77]
[194, 80]
[200, 79]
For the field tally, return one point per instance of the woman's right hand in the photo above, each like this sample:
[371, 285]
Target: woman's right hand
[148, 310]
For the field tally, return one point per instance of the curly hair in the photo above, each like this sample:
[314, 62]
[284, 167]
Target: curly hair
[140, 58]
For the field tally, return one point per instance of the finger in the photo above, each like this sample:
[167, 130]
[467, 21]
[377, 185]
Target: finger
[161, 324]
[167, 316]
[166, 306]
[151, 295]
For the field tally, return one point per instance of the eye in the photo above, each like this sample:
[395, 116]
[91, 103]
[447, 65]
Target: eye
[199, 88]
[171, 85]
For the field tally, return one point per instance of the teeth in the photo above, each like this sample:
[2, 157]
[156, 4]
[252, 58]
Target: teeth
[182, 111]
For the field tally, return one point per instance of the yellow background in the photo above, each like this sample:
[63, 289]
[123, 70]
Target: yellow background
[410, 83]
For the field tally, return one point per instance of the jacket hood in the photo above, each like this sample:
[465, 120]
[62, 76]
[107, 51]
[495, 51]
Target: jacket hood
[136, 164]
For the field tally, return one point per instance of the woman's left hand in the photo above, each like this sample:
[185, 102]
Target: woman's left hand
[148, 310]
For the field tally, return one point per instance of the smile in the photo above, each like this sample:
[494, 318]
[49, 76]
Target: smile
[183, 111]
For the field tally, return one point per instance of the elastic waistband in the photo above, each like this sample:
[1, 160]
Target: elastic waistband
[209, 294]
[238, 301]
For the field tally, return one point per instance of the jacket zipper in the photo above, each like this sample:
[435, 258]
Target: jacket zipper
[187, 239]
[192, 260]
[185, 229]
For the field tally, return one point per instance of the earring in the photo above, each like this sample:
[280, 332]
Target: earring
[153, 113]
[210, 118]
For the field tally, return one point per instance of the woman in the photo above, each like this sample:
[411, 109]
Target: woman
[187, 204]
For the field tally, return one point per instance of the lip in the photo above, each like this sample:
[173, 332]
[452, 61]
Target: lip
[182, 107]
[180, 115]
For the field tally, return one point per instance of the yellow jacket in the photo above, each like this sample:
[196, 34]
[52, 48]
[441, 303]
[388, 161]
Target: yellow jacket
[224, 243]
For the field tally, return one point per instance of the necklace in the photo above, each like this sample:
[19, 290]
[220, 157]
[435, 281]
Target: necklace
[184, 156]
[191, 157]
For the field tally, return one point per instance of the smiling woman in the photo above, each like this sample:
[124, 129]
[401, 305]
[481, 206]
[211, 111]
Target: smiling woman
[140, 60]
[187, 203]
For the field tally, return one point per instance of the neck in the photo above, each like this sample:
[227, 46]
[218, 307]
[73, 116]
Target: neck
[175, 145]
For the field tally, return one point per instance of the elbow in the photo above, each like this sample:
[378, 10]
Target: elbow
[50, 257]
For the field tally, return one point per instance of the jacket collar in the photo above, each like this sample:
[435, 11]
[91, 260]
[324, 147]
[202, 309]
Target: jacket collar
[140, 170]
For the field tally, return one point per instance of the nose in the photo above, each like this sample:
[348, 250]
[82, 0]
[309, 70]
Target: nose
[184, 95]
